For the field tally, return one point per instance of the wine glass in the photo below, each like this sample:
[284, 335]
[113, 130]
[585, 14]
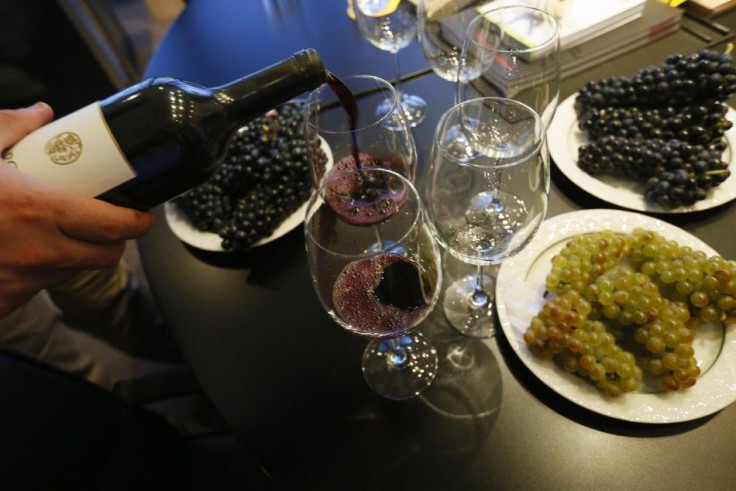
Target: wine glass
[391, 25]
[339, 120]
[486, 194]
[442, 26]
[379, 294]
[512, 51]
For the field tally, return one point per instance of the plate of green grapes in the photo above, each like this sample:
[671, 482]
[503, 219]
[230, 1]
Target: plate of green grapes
[625, 315]
[659, 141]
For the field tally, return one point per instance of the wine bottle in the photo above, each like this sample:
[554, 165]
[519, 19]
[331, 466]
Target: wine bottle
[155, 140]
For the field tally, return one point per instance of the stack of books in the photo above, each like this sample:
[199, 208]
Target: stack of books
[582, 20]
[710, 8]
[587, 36]
[657, 20]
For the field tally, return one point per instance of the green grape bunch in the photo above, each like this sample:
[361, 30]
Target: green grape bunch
[621, 305]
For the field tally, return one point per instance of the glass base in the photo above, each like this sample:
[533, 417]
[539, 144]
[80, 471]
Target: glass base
[467, 311]
[414, 111]
[400, 368]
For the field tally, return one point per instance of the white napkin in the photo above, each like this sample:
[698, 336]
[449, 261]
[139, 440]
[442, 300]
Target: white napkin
[522, 301]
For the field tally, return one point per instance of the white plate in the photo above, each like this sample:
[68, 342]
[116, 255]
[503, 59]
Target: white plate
[182, 227]
[208, 241]
[519, 290]
[565, 138]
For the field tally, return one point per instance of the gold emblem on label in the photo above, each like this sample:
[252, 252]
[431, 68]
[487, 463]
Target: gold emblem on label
[64, 148]
[8, 158]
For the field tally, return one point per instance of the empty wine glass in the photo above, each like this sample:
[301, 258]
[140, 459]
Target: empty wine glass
[378, 294]
[442, 25]
[391, 25]
[512, 51]
[486, 196]
[341, 122]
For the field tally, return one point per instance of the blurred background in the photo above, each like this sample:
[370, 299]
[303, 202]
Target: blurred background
[69, 53]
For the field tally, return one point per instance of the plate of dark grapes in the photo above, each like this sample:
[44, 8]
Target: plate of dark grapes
[625, 315]
[258, 194]
[659, 141]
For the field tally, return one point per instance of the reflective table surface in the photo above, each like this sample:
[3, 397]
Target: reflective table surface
[287, 379]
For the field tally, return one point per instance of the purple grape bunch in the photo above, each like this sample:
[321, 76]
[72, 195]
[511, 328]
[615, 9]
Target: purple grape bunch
[664, 126]
[265, 178]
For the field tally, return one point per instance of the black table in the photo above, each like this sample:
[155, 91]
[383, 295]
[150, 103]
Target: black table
[287, 379]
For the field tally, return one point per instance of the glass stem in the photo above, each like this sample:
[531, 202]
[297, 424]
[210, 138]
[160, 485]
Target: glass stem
[479, 278]
[459, 86]
[379, 238]
[479, 299]
[460, 78]
[397, 354]
[397, 69]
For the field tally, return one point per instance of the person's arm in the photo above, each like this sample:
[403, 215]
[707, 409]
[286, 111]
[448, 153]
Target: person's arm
[48, 234]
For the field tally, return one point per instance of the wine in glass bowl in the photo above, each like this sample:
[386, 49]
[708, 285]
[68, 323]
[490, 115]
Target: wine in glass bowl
[340, 117]
[377, 293]
[391, 25]
[486, 197]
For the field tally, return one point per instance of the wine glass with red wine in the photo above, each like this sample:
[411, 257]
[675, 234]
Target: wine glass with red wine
[380, 294]
[391, 25]
[339, 119]
[486, 194]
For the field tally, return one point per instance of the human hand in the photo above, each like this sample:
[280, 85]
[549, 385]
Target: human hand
[49, 234]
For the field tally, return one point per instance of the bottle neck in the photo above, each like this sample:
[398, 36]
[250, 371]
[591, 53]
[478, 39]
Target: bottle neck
[259, 92]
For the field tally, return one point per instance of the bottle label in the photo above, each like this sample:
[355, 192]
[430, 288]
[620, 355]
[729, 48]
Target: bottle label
[77, 152]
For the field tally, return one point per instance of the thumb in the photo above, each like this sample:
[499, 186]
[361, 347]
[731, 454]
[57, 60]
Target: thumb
[17, 123]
